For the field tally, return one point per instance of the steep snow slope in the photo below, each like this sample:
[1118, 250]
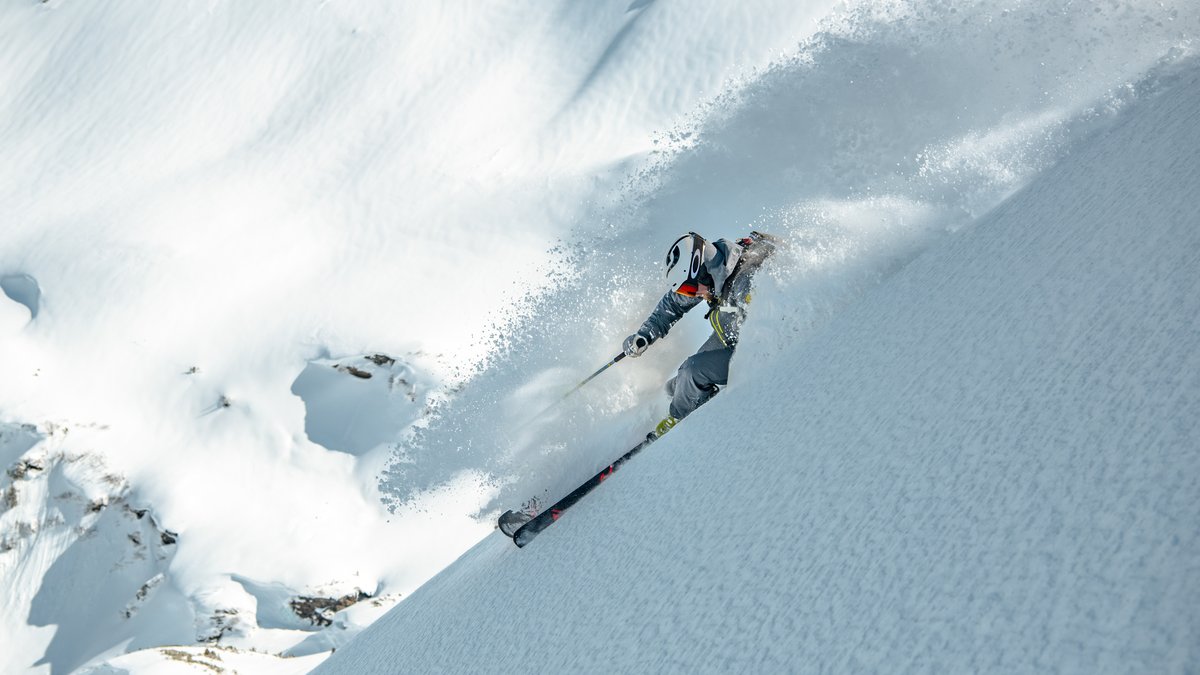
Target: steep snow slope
[216, 216]
[894, 124]
[991, 462]
[204, 206]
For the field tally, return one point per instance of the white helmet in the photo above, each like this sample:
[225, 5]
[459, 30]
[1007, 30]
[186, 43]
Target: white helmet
[685, 263]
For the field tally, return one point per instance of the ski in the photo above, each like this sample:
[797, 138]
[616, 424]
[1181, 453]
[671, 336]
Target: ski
[526, 532]
[511, 521]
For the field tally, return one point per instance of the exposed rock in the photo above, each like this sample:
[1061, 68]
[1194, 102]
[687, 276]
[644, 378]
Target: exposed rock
[381, 360]
[192, 659]
[24, 468]
[361, 374]
[320, 611]
[144, 592]
[221, 623]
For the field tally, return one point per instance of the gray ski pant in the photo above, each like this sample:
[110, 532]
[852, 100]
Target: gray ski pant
[698, 377]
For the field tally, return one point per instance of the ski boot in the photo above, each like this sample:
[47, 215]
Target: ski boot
[662, 428]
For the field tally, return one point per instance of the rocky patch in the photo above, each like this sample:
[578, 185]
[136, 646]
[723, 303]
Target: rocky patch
[320, 611]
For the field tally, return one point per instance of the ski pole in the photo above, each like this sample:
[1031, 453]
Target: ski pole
[579, 386]
[591, 377]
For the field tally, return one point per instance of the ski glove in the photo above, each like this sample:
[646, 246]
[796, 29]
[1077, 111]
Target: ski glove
[636, 344]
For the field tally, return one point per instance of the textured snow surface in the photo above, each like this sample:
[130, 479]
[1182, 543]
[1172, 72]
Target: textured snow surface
[285, 283]
[990, 463]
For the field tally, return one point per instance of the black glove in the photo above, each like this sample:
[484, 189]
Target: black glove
[636, 344]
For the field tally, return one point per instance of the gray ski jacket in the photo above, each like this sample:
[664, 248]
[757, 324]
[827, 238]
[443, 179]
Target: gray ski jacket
[731, 290]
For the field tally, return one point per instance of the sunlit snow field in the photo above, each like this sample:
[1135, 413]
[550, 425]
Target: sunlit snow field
[958, 435]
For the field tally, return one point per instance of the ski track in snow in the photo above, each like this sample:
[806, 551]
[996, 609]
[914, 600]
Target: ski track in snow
[216, 214]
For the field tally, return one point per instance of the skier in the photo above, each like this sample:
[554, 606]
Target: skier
[719, 274]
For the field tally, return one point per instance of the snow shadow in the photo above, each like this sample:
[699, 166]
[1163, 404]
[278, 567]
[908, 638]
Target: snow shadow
[23, 289]
[97, 592]
[354, 404]
[15, 441]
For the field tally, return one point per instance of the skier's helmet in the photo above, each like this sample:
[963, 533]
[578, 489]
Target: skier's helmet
[685, 264]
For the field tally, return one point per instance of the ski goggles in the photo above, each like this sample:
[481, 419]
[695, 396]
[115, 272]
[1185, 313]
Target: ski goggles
[685, 262]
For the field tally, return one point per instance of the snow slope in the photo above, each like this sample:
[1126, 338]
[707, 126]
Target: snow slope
[217, 218]
[989, 463]
[893, 125]
[208, 205]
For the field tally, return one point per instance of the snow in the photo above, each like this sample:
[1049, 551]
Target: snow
[988, 463]
[969, 381]
[22, 289]
[189, 660]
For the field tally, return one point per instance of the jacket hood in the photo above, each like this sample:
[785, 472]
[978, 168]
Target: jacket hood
[720, 265]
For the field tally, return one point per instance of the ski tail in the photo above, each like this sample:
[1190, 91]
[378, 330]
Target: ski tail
[511, 521]
[526, 532]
